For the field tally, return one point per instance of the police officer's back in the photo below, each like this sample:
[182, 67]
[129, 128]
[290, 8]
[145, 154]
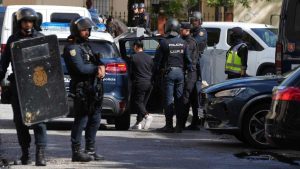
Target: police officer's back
[26, 27]
[86, 72]
[174, 57]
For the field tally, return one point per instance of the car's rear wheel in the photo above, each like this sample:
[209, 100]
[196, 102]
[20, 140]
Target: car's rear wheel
[254, 126]
[123, 122]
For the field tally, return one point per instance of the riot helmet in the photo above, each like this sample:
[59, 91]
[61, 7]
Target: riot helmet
[172, 27]
[28, 14]
[237, 33]
[197, 16]
[81, 23]
[135, 6]
[141, 5]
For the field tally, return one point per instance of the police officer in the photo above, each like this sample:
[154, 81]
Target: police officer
[237, 55]
[141, 77]
[174, 57]
[190, 95]
[27, 27]
[136, 15]
[198, 32]
[200, 35]
[144, 19]
[86, 73]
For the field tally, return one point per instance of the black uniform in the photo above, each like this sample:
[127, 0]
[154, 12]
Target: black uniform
[135, 20]
[87, 89]
[174, 59]
[144, 20]
[23, 134]
[200, 35]
[190, 96]
[142, 67]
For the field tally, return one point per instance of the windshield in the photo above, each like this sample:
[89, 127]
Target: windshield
[268, 35]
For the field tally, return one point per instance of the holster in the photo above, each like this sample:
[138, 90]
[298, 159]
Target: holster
[81, 98]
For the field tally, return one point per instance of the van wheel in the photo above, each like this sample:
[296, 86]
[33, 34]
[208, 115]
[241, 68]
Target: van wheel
[253, 126]
[123, 122]
[268, 71]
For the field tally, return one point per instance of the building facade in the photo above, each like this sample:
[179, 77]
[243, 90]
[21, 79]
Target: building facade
[265, 12]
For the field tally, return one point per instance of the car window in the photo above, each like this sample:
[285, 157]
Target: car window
[292, 29]
[106, 49]
[213, 36]
[268, 35]
[150, 47]
[248, 39]
[63, 17]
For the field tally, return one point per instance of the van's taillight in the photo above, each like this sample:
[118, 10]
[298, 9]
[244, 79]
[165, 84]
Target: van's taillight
[287, 94]
[116, 68]
[3, 46]
[278, 58]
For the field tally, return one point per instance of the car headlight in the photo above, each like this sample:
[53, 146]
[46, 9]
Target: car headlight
[230, 93]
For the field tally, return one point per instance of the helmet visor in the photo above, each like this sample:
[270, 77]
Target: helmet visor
[85, 23]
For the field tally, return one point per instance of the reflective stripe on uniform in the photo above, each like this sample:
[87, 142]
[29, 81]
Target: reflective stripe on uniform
[233, 61]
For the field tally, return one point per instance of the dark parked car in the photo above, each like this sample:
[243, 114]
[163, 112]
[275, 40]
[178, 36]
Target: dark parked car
[283, 121]
[239, 107]
[115, 101]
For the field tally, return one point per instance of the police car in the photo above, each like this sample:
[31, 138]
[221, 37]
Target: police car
[115, 107]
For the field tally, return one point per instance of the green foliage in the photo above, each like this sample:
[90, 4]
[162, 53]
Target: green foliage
[228, 3]
[179, 8]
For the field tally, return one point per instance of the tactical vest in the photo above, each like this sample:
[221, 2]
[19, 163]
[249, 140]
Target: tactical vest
[176, 53]
[233, 60]
[200, 36]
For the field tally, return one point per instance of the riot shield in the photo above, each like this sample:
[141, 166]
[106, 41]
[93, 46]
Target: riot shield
[39, 78]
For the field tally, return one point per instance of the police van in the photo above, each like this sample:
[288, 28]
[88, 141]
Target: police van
[288, 45]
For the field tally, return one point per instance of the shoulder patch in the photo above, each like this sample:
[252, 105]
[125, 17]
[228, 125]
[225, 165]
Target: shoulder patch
[73, 52]
[201, 33]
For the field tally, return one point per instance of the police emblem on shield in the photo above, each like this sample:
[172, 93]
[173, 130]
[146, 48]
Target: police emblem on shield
[39, 78]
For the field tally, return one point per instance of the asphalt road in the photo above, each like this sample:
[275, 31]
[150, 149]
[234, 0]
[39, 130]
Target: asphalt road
[149, 149]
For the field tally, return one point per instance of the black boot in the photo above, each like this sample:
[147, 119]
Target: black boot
[90, 150]
[40, 156]
[194, 124]
[178, 128]
[79, 156]
[25, 158]
[168, 128]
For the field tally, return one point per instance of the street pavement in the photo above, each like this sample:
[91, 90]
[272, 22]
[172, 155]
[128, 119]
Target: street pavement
[148, 149]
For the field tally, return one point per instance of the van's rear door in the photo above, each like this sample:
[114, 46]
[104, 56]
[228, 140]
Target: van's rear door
[289, 36]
